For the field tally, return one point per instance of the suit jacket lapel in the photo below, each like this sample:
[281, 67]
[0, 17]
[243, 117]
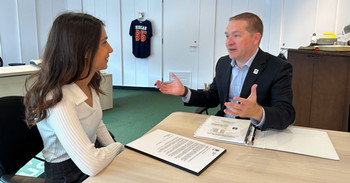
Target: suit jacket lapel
[227, 72]
[255, 69]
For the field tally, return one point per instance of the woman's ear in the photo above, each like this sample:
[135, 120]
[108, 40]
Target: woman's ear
[87, 55]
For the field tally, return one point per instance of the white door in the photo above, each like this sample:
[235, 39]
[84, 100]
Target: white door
[180, 40]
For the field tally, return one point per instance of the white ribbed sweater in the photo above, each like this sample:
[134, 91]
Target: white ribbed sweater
[71, 129]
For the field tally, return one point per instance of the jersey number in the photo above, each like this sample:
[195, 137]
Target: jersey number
[140, 35]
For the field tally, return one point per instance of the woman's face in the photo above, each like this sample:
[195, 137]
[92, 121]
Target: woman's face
[102, 54]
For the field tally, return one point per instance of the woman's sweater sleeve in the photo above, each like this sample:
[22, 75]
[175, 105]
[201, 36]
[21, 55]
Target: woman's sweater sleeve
[103, 135]
[90, 160]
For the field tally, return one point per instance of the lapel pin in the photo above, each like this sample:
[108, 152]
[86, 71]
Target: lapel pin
[255, 71]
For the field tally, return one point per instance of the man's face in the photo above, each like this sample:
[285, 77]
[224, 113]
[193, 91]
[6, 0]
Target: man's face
[240, 43]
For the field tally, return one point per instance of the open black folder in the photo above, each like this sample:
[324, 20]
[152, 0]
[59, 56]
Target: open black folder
[297, 140]
[182, 152]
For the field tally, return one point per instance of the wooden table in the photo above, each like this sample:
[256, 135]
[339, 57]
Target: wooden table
[238, 164]
[12, 79]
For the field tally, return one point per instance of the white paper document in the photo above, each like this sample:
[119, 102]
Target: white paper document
[182, 152]
[224, 129]
[293, 139]
[297, 140]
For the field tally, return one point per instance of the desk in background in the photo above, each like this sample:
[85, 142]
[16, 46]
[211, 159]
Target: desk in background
[238, 164]
[12, 79]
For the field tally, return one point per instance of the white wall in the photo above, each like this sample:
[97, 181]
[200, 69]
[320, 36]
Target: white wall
[206, 59]
[109, 12]
[9, 32]
[25, 25]
[136, 71]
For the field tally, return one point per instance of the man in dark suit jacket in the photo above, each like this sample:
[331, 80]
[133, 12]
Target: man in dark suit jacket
[262, 80]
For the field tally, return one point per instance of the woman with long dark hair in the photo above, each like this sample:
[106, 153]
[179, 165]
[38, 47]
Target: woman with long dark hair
[63, 99]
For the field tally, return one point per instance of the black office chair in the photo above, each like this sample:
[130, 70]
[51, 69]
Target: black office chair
[18, 143]
[200, 110]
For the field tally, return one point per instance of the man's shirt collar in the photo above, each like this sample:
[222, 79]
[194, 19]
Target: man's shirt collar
[248, 63]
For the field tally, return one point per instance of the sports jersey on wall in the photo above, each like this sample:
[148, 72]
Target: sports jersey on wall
[141, 32]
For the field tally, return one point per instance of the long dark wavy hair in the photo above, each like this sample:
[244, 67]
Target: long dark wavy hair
[71, 46]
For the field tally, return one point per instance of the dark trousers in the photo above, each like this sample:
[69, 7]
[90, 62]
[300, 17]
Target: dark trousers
[64, 172]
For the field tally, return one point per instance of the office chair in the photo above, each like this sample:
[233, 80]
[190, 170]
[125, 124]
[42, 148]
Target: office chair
[18, 143]
[200, 110]
[1, 63]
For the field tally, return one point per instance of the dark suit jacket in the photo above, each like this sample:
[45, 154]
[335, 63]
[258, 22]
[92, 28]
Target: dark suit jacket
[274, 91]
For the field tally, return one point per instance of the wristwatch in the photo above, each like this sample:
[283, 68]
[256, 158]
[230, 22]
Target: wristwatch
[185, 92]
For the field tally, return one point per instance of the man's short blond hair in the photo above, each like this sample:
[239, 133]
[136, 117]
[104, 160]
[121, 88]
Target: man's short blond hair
[254, 22]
